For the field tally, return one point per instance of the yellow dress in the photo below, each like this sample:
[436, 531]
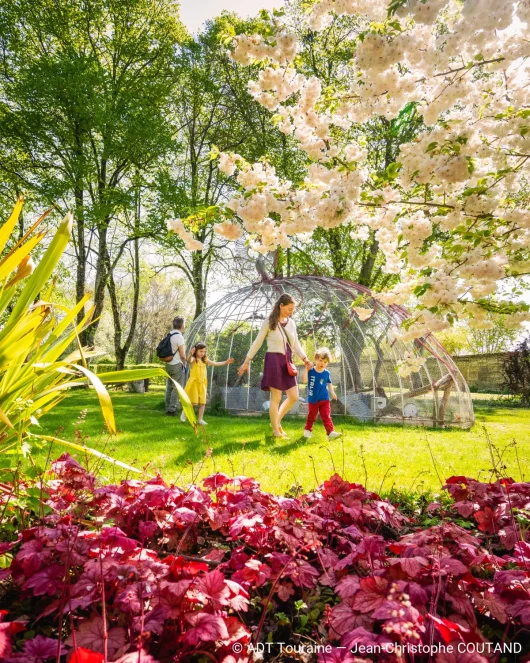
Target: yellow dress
[197, 383]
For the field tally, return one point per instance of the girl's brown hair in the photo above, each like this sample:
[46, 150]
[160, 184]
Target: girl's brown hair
[274, 317]
[194, 350]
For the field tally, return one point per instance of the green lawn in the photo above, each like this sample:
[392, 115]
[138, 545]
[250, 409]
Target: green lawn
[151, 441]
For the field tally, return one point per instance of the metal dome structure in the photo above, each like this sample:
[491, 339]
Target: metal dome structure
[366, 354]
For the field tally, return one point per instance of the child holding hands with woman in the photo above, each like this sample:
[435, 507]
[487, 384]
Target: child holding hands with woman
[319, 389]
[197, 384]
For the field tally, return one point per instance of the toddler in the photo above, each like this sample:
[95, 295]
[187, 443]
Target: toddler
[319, 389]
[197, 384]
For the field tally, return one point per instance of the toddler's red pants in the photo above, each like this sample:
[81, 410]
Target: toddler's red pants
[324, 407]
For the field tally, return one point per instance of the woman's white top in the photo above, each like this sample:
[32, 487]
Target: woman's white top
[275, 339]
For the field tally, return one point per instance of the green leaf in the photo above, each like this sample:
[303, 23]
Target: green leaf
[392, 170]
[42, 273]
[88, 450]
[420, 290]
[9, 225]
[131, 375]
[103, 396]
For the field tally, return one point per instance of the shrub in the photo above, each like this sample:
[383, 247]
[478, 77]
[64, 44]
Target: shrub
[152, 572]
[516, 372]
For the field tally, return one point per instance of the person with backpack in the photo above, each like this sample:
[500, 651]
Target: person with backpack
[172, 350]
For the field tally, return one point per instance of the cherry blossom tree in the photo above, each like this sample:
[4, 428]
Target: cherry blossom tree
[451, 215]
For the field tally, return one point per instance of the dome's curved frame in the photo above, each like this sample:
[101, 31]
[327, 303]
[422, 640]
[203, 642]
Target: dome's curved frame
[366, 354]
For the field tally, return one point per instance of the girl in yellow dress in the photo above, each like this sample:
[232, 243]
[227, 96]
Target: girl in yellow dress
[197, 383]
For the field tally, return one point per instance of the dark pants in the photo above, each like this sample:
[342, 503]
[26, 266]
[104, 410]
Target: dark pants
[177, 373]
[324, 407]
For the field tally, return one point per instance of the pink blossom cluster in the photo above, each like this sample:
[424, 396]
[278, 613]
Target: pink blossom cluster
[454, 222]
[178, 227]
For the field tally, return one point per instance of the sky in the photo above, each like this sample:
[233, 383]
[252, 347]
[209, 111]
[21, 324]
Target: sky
[193, 13]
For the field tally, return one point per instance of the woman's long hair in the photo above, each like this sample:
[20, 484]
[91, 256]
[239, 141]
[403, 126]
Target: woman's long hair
[195, 348]
[274, 317]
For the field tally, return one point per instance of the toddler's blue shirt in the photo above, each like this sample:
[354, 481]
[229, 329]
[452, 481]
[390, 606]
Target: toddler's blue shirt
[317, 385]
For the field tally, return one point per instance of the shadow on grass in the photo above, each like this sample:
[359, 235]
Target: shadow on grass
[149, 438]
[198, 446]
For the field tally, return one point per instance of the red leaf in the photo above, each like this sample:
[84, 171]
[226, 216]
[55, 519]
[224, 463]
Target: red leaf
[458, 479]
[147, 529]
[206, 628]
[372, 593]
[412, 566]
[465, 509]
[453, 566]
[33, 556]
[486, 520]
[213, 586]
[81, 655]
[172, 598]
[302, 574]
[153, 621]
[448, 629]
[113, 537]
[343, 618]
[348, 586]
[42, 648]
[336, 486]
[509, 537]
[285, 590]
[5, 641]
[181, 568]
[494, 605]
[216, 481]
[238, 596]
[90, 636]
[48, 581]
[521, 609]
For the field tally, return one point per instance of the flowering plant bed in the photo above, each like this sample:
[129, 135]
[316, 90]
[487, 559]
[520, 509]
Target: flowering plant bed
[145, 571]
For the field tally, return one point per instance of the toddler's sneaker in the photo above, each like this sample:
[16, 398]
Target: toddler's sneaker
[334, 435]
[183, 417]
[202, 422]
[308, 433]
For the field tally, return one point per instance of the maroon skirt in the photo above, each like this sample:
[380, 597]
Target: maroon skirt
[275, 373]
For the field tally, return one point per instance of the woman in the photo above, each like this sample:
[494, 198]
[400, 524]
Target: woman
[280, 331]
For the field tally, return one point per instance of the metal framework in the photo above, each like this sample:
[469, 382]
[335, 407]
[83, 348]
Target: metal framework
[365, 354]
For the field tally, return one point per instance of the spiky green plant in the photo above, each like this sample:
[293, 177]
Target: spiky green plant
[35, 370]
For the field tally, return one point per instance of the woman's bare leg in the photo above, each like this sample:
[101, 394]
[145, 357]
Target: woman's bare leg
[292, 398]
[201, 411]
[276, 396]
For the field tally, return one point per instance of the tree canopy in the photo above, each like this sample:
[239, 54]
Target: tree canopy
[444, 199]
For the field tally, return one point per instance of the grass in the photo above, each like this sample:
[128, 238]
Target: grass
[378, 456]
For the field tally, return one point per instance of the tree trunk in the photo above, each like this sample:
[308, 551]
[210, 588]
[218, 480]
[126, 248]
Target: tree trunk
[101, 282]
[121, 351]
[199, 285]
[338, 257]
[367, 269]
[279, 260]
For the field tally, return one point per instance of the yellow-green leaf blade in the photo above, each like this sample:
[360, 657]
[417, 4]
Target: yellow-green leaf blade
[7, 228]
[103, 396]
[89, 450]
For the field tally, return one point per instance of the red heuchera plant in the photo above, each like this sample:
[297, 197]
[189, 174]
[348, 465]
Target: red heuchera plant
[145, 571]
